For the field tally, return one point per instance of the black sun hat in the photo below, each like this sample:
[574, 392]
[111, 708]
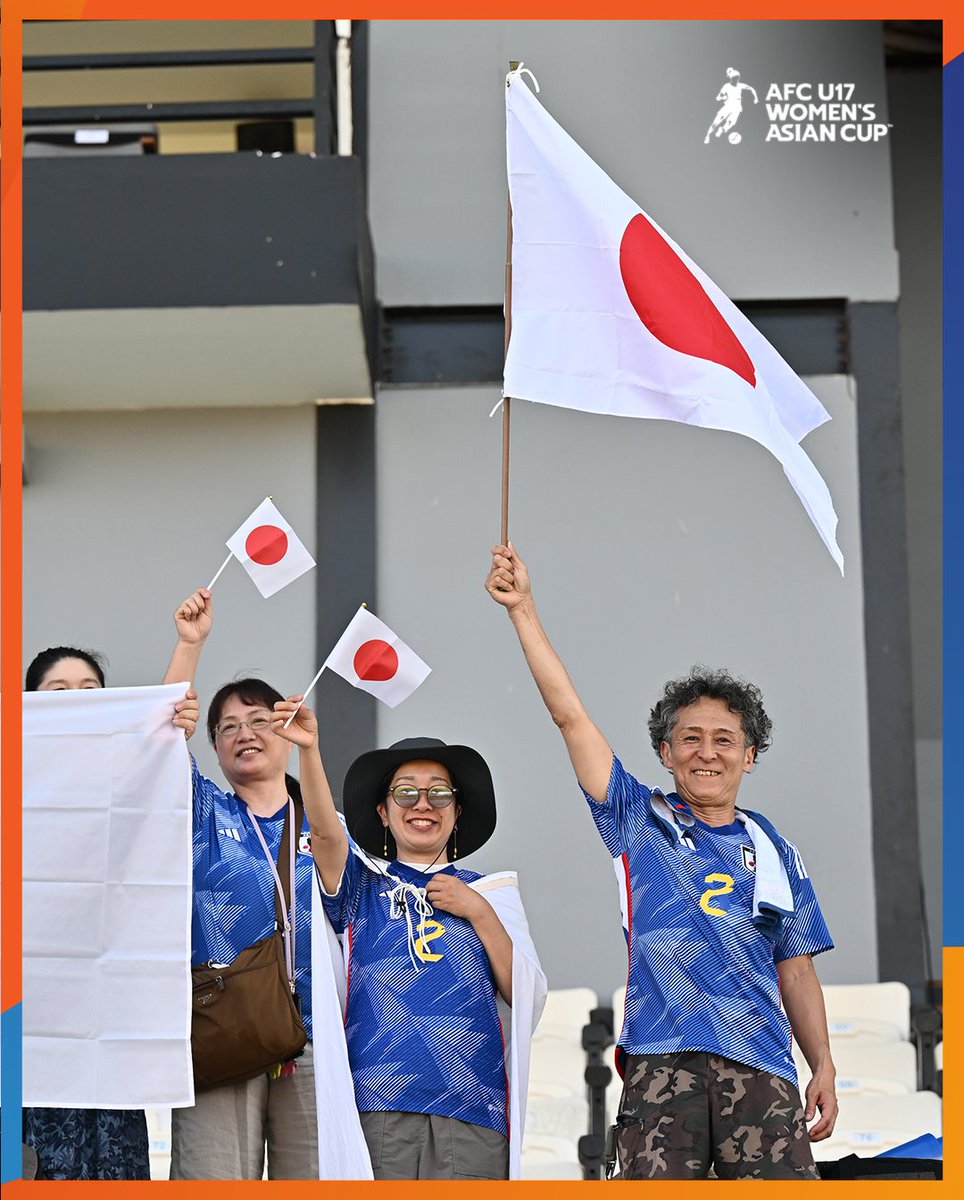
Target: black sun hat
[366, 786]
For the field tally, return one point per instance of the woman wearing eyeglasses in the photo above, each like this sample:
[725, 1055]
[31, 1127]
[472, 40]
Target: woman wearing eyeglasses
[429, 945]
[233, 1128]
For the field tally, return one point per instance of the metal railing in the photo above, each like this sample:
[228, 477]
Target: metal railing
[321, 106]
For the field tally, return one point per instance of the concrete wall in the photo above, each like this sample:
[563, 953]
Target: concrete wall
[652, 546]
[125, 513]
[762, 219]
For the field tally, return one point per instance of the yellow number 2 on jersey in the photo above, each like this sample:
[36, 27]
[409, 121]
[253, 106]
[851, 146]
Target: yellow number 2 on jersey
[724, 884]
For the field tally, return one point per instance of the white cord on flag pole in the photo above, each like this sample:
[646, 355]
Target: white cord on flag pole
[502, 400]
[520, 70]
[220, 569]
[305, 696]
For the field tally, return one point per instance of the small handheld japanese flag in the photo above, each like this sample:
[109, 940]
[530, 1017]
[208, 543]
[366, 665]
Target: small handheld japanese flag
[376, 660]
[269, 550]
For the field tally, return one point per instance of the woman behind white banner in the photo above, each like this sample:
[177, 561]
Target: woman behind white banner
[89, 1143]
[234, 1128]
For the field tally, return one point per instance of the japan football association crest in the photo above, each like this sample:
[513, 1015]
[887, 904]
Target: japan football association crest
[749, 858]
[304, 842]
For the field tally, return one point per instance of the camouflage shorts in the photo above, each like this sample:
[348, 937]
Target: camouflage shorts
[682, 1113]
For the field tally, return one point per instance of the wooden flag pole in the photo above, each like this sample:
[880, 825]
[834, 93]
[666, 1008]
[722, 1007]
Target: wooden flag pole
[505, 401]
[513, 66]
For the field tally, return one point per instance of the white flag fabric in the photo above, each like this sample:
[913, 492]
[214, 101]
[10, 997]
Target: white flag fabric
[371, 657]
[342, 1149]
[609, 315]
[106, 900]
[269, 550]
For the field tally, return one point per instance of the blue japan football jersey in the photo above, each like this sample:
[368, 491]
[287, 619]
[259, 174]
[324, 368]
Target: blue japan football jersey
[421, 1022]
[702, 975]
[234, 888]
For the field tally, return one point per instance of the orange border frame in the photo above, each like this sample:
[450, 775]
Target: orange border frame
[13, 13]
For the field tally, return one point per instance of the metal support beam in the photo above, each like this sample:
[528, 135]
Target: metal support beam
[167, 58]
[467, 344]
[326, 123]
[897, 868]
[346, 574]
[195, 110]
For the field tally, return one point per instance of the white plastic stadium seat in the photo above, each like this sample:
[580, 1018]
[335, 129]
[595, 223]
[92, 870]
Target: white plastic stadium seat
[545, 1157]
[868, 1068]
[558, 1105]
[555, 1110]
[557, 1055]
[568, 1006]
[869, 1125]
[867, 1012]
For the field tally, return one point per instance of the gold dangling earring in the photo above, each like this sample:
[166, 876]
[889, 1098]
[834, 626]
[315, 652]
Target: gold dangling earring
[385, 842]
[455, 847]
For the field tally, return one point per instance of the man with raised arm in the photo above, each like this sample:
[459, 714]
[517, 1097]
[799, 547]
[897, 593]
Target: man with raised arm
[721, 923]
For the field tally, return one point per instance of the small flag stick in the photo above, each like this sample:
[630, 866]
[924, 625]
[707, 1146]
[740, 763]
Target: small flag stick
[305, 696]
[220, 569]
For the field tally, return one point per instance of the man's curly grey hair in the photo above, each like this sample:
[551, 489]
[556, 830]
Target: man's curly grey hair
[743, 698]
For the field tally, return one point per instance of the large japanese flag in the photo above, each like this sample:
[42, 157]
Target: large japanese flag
[371, 657]
[609, 315]
[269, 549]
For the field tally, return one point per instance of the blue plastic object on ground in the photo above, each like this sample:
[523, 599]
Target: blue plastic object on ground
[925, 1146]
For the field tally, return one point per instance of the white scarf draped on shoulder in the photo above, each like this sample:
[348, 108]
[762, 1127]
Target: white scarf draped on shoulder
[342, 1151]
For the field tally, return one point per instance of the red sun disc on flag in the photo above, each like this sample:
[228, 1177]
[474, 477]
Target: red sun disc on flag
[672, 303]
[266, 544]
[375, 661]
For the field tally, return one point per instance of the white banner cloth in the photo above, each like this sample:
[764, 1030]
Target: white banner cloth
[106, 900]
[609, 315]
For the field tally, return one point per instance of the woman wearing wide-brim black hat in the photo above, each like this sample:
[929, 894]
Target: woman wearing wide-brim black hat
[429, 946]
[369, 817]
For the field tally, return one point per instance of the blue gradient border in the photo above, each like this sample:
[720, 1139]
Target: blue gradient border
[953, 486]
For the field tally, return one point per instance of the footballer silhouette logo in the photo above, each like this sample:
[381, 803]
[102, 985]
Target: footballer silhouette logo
[730, 96]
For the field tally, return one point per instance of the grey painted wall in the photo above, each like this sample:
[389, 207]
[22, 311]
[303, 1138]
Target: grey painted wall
[652, 546]
[125, 513]
[762, 219]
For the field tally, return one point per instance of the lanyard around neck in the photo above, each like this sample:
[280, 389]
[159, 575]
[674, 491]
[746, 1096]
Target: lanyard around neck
[287, 913]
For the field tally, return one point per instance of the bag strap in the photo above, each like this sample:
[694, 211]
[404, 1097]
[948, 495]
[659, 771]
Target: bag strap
[284, 872]
[294, 819]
